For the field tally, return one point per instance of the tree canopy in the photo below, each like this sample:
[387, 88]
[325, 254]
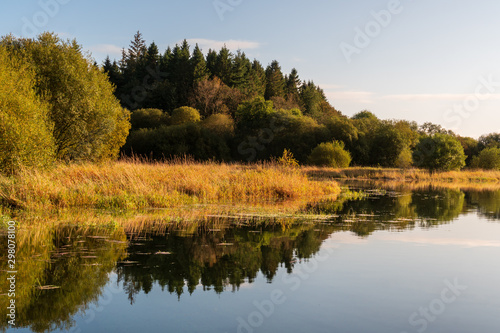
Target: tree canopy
[56, 103]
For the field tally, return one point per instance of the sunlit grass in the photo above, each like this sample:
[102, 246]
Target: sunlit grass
[467, 179]
[133, 184]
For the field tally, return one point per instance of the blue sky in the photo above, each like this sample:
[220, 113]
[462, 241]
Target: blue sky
[422, 60]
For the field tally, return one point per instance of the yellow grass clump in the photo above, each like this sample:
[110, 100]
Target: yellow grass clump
[137, 185]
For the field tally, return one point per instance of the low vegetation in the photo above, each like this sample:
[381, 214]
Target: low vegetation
[405, 175]
[130, 185]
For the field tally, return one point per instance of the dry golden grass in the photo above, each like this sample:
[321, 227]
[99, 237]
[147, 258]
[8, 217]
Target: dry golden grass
[128, 185]
[468, 176]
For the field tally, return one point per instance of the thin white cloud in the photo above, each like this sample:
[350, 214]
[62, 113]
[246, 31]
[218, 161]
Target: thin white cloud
[231, 44]
[106, 48]
[435, 97]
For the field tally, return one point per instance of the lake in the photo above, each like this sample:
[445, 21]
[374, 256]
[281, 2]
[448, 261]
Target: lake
[399, 259]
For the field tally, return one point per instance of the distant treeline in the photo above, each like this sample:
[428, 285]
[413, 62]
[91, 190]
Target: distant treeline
[57, 104]
[224, 106]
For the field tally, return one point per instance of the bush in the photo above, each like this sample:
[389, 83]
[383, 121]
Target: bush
[178, 141]
[148, 118]
[488, 159]
[331, 154]
[439, 152]
[184, 115]
[221, 124]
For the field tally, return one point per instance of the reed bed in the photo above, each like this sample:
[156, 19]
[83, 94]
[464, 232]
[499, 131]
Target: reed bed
[134, 184]
[408, 175]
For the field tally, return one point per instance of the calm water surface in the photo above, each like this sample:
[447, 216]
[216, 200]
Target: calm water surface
[395, 261]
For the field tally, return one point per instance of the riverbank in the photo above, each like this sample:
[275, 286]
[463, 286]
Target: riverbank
[404, 175]
[131, 185]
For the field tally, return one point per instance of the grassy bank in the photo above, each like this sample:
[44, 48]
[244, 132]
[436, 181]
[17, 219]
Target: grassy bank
[129, 185]
[411, 175]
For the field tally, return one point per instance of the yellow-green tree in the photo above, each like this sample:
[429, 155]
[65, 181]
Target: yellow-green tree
[25, 129]
[89, 123]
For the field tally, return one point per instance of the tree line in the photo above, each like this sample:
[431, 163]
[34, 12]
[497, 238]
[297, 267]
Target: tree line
[57, 104]
[224, 106]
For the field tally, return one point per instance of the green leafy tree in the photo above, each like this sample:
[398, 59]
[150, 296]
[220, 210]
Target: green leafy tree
[331, 154]
[405, 159]
[491, 140]
[488, 159]
[25, 128]
[254, 115]
[439, 152]
[471, 148]
[89, 123]
[386, 146]
[366, 123]
[342, 129]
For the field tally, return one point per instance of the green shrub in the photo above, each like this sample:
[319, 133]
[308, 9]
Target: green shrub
[221, 124]
[148, 118]
[184, 115]
[331, 154]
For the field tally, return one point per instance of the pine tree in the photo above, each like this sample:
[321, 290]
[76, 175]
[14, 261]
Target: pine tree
[199, 65]
[152, 56]
[311, 98]
[292, 83]
[181, 74]
[224, 65]
[239, 72]
[257, 79]
[137, 48]
[275, 85]
[113, 71]
[212, 62]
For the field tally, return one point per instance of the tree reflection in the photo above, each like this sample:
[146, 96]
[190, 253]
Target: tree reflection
[216, 260]
[78, 260]
[75, 260]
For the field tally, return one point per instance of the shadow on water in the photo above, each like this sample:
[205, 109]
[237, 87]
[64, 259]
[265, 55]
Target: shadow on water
[63, 269]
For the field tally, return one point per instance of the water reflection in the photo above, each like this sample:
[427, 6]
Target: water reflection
[74, 262]
[77, 261]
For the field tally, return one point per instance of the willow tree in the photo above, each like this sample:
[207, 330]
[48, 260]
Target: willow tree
[25, 130]
[88, 121]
